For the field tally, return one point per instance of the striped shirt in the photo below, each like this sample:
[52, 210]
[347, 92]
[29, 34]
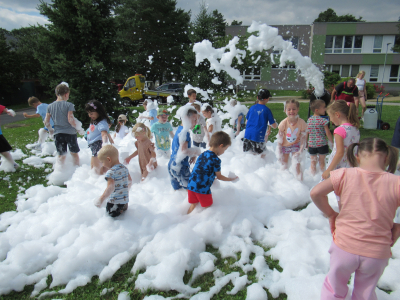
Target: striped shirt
[119, 173]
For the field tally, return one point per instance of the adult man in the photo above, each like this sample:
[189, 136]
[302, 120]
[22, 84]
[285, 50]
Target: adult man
[347, 91]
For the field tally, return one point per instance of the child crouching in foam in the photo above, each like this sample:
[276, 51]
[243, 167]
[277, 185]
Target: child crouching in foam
[144, 148]
[207, 167]
[118, 182]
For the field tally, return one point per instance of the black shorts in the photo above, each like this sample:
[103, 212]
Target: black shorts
[4, 145]
[256, 147]
[202, 145]
[324, 150]
[114, 210]
[63, 139]
[95, 147]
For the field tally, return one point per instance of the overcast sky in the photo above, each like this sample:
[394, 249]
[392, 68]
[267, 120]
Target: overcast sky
[22, 13]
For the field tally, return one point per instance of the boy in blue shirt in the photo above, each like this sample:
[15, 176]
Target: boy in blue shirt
[162, 131]
[258, 118]
[207, 167]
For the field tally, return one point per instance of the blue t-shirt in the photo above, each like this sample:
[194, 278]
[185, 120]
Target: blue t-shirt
[94, 131]
[241, 120]
[42, 110]
[203, 173]
[119, 173]
[258, 118]
[175, 146]
[161, 132]
[153, 113]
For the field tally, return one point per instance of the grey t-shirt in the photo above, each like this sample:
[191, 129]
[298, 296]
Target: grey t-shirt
[59, 113]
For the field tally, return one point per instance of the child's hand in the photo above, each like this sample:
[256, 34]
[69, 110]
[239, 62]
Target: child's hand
[25, 115]
[192, 160]
[127, 160]
[232, 176]
[326, 174]
[395, 233]
[332, 220]
[97, 202]
[11, 113]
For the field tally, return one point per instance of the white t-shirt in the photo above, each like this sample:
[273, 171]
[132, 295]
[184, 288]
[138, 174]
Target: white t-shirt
[216, 122]
[360, 83]
[122, 132]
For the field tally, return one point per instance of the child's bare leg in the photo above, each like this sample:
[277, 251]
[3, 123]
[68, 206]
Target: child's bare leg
[321, 159]
[61, 159]
[192, 207]
[7, 156]
[285, 159]
[314, 159]
[298, 171]
[75, 158]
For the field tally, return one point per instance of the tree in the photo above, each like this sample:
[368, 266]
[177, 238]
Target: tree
[396, 46]
[234, 22]
[77, 47]
[330, 16]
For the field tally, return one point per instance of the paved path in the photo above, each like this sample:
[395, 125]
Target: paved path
[5, 119]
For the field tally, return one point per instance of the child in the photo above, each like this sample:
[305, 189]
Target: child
[292, 136]
[363, 232]
[207, 167]
[144, 148]
[5, 147]
[178, 166]
[151, 111]
[344, 116]
[317, 132]
[97, 134]
[362, 92]
[258, 118]
[198, 136]
[62, 113]
[213, 122]
[41, 109]
[192, 96]
[118, 182]
[121, 130]
[162, 131]
[239, 124]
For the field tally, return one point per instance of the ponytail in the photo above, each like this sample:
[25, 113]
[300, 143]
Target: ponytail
[347, 109]
[351, 158]
[352, 115]
[392, 158]
[118, 127]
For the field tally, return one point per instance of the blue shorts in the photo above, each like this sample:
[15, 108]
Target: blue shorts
[179, 179]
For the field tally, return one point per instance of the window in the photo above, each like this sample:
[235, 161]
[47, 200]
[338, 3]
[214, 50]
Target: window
[293, 39]
[373, 77]
[132, 83]
[397, 42]
[343, 70]
[378, 44]
[253, 73]
[286, 67]
[394, 74]
[354, 70]
[343, 44]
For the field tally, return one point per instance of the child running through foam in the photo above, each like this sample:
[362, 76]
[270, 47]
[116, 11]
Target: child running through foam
[239, 124]
[207, 167]
[213, 121]
[199, 133]
[121, 130]
[41, 109]
[144, 149]
[5, 147]
[317, 134]
[292, 136]
[363, 232]
[118, 182]
[150, 113]
[97, 134]
[343, 115]
[162, 131]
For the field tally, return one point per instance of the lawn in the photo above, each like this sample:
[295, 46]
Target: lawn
[11, 184]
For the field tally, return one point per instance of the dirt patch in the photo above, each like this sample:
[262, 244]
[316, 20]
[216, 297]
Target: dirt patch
[15, 125]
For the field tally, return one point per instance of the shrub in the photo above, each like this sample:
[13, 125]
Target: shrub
[330, 79]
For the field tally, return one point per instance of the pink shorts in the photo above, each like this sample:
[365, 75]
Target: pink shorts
[291, 149]
[204, 199]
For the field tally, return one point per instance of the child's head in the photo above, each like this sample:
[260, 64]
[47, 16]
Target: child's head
[192, 115]
[33, 101]
[162, 115]
[263, 95]
[371, 146]
[292, 107]
[342, 110]
[108, 155]
[96, 112]
[145, 102]
[207, 111]
[220, 141]
[318, 107]
[191, 95]
[233, 102]
[121, 121]
[141, 132]
[62, 90]
[197, 107]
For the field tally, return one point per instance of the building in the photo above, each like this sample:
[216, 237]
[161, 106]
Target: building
[342, 47]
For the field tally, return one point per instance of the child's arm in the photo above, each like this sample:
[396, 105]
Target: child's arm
[223, 178]
[238, 125]
[210, 128]
[47, 124]
[108, 191]
[307, 137]
[110, 138]
[328, 133]
[31, 116]
[104, 136]
[279, 141]
[337, 158]
[129, 181]
[319, 195]
[191, 152]
[71, 119]
[171, 134]
[395, 233]
[128, 159]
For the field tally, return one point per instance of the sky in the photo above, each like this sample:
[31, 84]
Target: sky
[21, 13]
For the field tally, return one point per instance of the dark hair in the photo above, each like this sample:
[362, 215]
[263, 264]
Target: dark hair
[351, 80]
[373, 145]
[209, 109]
[118, 126]
[220, 138]
[32, 100]
[263, 94]
[191, 111]
[316, 104]
[96, 106]
[61, 89]
[191, 91]
[348, 109]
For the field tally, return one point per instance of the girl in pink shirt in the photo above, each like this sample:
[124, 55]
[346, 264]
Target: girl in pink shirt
[363, 232]
[343, 115]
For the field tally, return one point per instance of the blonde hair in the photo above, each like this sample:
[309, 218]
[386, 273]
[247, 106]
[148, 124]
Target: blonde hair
[359, 73]
[196, 106]
[347, 109]
[292, 101]
[136, 130]
[107, 151]
[32, 100]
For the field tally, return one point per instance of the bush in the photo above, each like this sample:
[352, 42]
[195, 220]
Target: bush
[330, 79]
[305, 94]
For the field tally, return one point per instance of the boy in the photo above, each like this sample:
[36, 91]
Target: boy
[41, 109]
[317, 131]
[178, 166]
[192, 96]
[198, 136]
[5, 147]
[162, 130]
[207, 167]
[118, 182]
[151, 111]
[258, 118]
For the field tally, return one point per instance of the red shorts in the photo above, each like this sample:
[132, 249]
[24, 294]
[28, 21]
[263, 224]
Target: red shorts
[204, 199]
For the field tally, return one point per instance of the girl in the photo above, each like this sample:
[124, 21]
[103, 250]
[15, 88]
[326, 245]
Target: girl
[362, 91]
[150, 113]
[144, 148]
[363, 231]
[97, 133]
[343, 115]
[239, 122]
[213, 122]
[121, 130]
[292, 136]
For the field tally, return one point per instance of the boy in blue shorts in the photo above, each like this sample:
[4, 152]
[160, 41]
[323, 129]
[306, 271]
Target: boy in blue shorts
[162, 131]
[258, 118]
[207, 167]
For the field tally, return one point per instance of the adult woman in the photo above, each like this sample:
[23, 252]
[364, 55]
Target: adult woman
[362, 91]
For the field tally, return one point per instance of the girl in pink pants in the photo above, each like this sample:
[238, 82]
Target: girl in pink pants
[363, 232]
